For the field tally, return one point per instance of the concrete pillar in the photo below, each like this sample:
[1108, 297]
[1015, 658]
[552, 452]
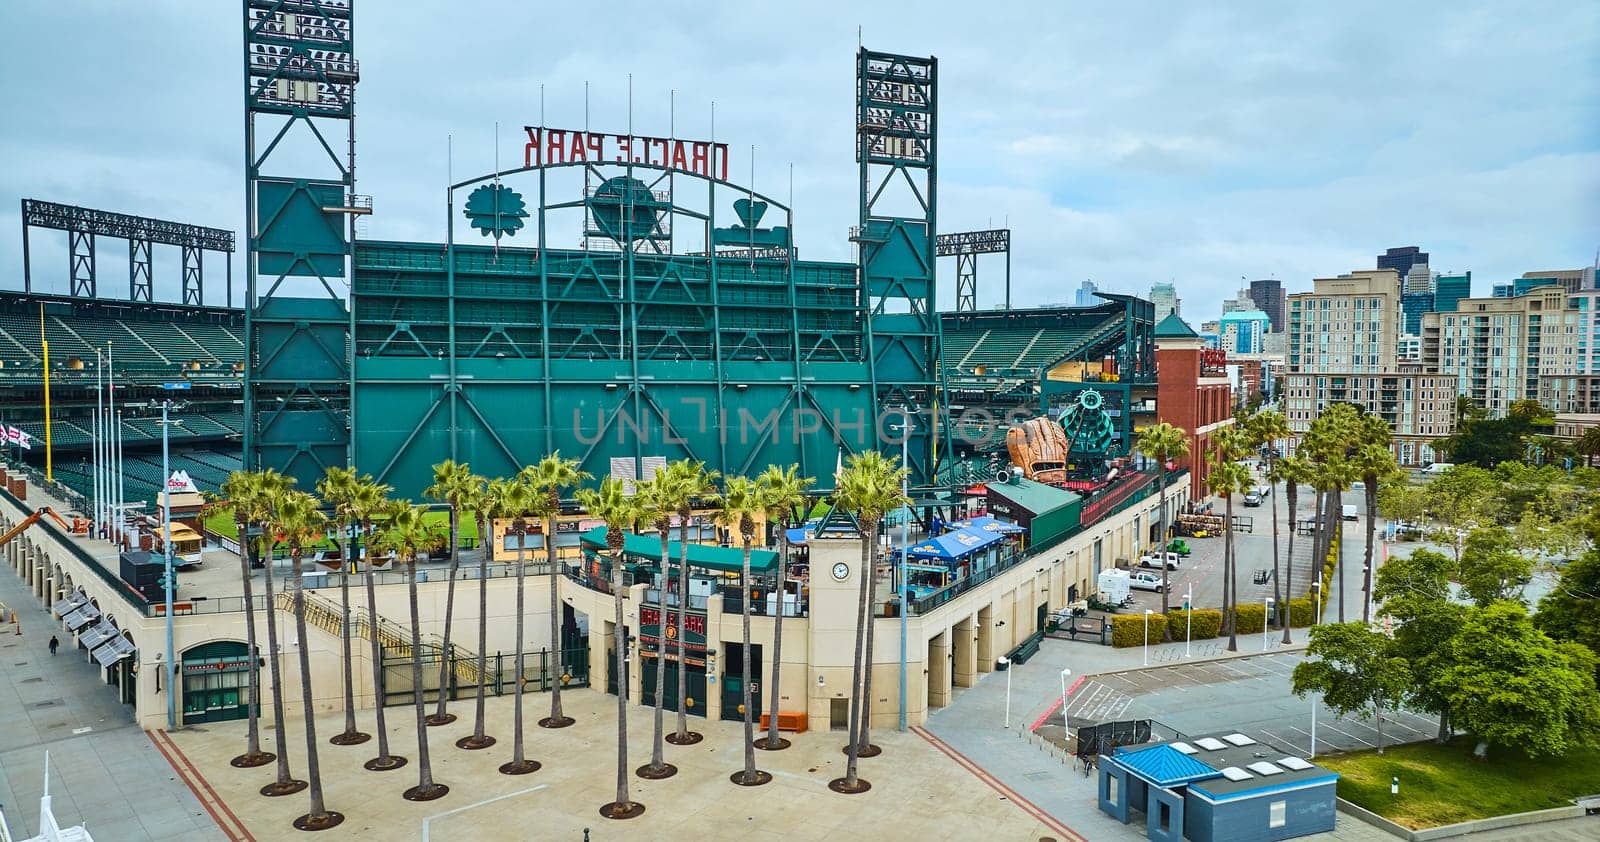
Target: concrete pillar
[714, 664]
[965, 650]
[939, 689]
[984, 642]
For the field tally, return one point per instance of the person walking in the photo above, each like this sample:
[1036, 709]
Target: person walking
[54, 643]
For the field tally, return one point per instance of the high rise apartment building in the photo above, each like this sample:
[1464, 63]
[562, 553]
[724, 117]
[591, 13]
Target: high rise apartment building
[1343, 348]
[1499, 348]
[1269, 298]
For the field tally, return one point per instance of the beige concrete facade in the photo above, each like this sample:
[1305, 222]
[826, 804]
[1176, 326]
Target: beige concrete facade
[1343, 348]
[947, 647]
[1499, 348]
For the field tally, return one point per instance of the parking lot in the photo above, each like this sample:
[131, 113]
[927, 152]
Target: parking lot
[1250, 695]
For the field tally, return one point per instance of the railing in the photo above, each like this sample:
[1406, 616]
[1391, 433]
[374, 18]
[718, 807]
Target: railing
[946, 594]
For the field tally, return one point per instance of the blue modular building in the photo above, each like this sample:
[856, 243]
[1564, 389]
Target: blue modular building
[1224, 788]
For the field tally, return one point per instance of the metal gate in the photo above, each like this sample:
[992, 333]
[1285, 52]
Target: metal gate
[500, 673]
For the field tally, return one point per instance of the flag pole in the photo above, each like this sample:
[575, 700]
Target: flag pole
[49, 455]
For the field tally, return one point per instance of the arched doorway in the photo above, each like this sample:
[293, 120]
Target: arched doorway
[216, 682]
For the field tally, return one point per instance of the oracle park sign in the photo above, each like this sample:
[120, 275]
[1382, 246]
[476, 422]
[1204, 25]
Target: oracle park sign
[549, 146]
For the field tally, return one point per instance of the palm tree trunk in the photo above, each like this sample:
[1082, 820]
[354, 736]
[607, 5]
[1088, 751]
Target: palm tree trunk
[280, 737]
[350, 736]
[485, 541]
[623, 803]
[774, 742]
[1279, 601]
[869, 544]
[319, 810]
[683, 608]
[1161, 551]
[1339, 512]
[1230, 584]
[744, 670]
[384, 760]
[866, 748]
[658, 758]
[1292, 495]
[425, 784]
[518, 757]
[556, 720]
[1371, 497]
[253, 755]
[440, 716]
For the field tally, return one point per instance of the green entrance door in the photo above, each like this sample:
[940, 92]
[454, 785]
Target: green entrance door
[216, 682]
[696, 686]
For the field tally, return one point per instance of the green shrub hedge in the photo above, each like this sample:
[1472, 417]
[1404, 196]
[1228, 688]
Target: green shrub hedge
[1301, 611]
[1128, 629]
[1207, 622]
[1250, 618]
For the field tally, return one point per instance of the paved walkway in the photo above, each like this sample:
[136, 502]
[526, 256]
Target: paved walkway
[105, 773]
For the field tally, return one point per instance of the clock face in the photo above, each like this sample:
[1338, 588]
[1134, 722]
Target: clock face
[841, 571]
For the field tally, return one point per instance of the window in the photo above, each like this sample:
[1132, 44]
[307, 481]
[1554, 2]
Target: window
[1278, 814]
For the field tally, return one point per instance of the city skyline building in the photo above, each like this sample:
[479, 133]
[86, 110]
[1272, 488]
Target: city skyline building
[1166, 300]
[1499, 348]
[1086, 296]
[1270, 297]
[1401, 259]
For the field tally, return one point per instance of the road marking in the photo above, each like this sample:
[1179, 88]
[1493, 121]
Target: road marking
[191, 777]
[429, 819]
[1348, 734]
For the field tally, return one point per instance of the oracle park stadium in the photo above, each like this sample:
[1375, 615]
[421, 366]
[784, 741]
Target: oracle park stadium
[616, 298]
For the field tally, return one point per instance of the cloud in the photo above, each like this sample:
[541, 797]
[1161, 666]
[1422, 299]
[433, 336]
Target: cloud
[1129, 144]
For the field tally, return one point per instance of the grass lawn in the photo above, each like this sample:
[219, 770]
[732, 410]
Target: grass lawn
[1444, 784]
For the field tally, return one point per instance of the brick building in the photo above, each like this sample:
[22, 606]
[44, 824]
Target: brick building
[1192, 390]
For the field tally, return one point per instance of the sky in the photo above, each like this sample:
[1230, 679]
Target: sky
[1128, 143]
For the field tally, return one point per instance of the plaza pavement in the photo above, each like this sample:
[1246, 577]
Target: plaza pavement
[918, 792]
[105, 773]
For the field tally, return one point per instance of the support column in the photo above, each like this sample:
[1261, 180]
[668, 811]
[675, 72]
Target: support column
[985, 639]
[939, 688]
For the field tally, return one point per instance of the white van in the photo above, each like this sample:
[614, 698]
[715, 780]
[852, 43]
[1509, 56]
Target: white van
[1349, 511]
[1437, 468]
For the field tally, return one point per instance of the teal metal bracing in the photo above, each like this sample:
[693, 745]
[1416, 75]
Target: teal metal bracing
[607, 354]
[896, 150]
[300, 77]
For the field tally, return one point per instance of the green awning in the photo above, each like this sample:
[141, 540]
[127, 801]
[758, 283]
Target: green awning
[704, 556]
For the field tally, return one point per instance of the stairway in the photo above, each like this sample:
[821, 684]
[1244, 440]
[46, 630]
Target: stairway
[324, 614]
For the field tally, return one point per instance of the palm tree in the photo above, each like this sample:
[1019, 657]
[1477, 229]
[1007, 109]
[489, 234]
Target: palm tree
[1376, 463]
[1331, 439]
[368, 501]
[1266, 429]
[272, 486]
[656, 500]
[612, 504]
[739, 505]
[238, 494]
[1164, 442]
[1292, 471]
[517, 501]
[1227, 478]
[552, 476]
[894, 500]
[783, 490]
[868, 488]
[337, 487]
[473, 496]
[1589, 445]
[408, 536]
[694, 481]
[449, 483]
[299, 521]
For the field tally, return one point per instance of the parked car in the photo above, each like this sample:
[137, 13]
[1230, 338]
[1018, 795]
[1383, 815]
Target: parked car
[1155, 559]
[1252, 498]
[1145, 582]
[1349, 511]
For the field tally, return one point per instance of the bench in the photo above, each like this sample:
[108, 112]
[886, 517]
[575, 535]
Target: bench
[1023, 652]
[793, 721]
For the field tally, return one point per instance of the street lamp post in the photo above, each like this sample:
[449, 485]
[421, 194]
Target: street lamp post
[1005, 664]
[1147, 613]
[166, 552]
[1188, 614]
[1266, 611]
[905, 586]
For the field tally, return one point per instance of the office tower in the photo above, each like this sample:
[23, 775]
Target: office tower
[1449, 289]
[1269, 297]
[1402, 259]
[1165, 297]
[1086, 295]
[1243, 332]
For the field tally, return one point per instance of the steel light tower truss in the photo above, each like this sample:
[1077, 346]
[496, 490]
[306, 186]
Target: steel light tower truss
[896, 150]
[965, 246]
[83, 225]
[300, 78]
